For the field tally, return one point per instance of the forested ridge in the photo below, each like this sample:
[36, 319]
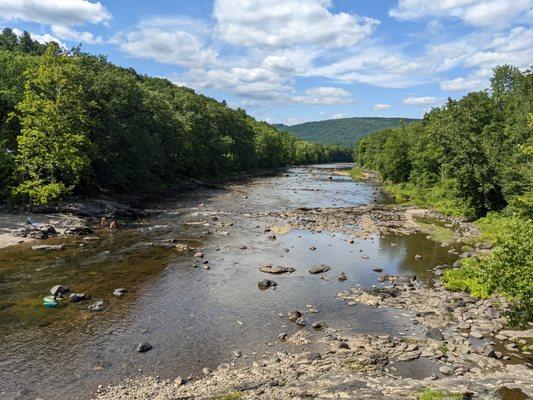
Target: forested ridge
[472, 157]
[341, 131]
[73, 123]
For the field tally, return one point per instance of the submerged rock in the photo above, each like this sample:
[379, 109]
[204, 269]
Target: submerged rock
[319, 325]
[342, 277]
[48, 247]
[75, 297]
[119, 292]
[319, 269]
[294, 315]
[266, 284]
[99, 305]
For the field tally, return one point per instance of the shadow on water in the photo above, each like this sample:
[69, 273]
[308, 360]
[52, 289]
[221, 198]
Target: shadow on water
[193, 317]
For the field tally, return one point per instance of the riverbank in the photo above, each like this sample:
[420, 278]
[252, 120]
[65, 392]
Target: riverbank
[207, 310]
[72, 214]
[463, 348]
[464, 353]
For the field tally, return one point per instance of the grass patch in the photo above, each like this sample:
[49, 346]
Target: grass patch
[437, 232]
[442, 197]
[431, 394]
[357, 174]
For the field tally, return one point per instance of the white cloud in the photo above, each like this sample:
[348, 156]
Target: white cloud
[324, 95]
[175, 41]
[478, 13]
[59, 12]
[380, 107]
[421, 101]
[375, 66]
[464, 84]
[67, 33]
[286, 23]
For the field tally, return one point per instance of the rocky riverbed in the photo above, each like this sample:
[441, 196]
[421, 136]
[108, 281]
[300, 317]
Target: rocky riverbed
[299, 285]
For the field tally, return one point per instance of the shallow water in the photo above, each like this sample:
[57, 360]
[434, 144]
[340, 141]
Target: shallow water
[193, 317]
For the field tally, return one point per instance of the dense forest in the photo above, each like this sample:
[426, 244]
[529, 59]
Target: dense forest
[342, 131]
[472, 157]
[73, 123]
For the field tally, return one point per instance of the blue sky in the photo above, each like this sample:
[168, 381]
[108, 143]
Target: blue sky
[292, 61]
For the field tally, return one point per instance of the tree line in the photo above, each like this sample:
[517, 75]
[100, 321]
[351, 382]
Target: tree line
[73, 123]
[474, 155]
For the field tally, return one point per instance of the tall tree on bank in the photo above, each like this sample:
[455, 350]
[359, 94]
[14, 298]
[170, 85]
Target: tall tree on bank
[53, 151]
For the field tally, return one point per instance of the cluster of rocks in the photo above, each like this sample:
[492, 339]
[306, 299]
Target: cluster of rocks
[469, 328]
[343, 367]
[365, 220]
[64, 292]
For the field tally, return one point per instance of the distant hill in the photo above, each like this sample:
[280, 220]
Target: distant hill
[345, 131]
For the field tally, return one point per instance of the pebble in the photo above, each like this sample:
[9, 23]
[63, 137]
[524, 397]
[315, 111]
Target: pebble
[143, 347]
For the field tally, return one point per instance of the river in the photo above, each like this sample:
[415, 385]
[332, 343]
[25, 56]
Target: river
[194, 317]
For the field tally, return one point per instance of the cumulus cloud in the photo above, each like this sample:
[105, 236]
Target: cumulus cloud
[324, 95]
[478, 13]
[377, 67]
[57, 12]
[421, 101]
[381, 107]
[285, 23]
[175, 41]
[464, 84]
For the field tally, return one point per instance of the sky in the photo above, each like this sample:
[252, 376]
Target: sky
[291, 61]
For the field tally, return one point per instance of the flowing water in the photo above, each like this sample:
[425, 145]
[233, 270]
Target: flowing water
[193, 317]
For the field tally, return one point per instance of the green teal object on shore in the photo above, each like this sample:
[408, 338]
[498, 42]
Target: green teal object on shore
[50, 302]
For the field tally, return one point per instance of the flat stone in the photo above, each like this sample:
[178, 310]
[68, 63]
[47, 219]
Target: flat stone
[279, 269]
[199, 255]
[445, 370]
[319, 269]
[477, 335]
[435, 334]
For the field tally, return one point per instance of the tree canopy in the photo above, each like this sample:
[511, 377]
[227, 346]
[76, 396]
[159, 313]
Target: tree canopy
[476, 151]
[73, 123]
